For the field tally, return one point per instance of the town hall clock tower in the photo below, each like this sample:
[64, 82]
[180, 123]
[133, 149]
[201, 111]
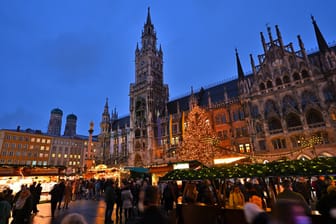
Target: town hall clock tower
[148, 100]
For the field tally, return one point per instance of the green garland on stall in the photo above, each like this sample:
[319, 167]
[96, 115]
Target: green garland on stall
[317, 166]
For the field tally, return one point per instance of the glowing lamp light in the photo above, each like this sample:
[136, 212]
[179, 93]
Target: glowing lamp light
[181, 166]
[227, 160]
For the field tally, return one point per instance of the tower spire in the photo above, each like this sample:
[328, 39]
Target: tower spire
[323, 46]
[269, 33]
[148, 21]
[279, 36]
[302, 48]
[239, 67]
[252, 64]
[263, 41]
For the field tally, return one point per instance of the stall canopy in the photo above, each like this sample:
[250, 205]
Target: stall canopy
[137, 169]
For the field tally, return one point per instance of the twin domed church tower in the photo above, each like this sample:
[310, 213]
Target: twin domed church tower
[284, 108]
[55, 123]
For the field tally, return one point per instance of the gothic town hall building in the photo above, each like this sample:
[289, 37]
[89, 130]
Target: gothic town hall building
[286, 108]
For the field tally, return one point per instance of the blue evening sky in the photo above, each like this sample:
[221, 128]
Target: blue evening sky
[73, 54]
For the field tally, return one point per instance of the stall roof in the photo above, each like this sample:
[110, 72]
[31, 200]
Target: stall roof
[137, 169]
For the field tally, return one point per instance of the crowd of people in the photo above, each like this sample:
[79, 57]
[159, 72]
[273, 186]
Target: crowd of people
[137, 201]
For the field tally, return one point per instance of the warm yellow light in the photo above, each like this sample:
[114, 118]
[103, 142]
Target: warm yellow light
[228, 160]
[180, 166]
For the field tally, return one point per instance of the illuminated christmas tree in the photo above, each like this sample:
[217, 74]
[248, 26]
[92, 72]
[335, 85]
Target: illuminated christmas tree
[199, 138]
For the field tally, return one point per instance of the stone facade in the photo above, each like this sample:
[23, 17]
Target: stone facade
[286, 108]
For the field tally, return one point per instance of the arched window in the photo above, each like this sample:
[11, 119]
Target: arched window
[274, 124]
[137, 133]
[262, 86]
[270, 107]
[259, 128]
[296, 76]
[305, 74]
[254, 111]
[329, 94]
[286, 79]
[293, 120]
[278, 82]
[314, 116]
[269, 84]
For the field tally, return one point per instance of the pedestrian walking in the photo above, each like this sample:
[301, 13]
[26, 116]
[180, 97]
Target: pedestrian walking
[119, 204]
[67, 195]
[55, 192]
[150, 198]
[110, 198]
[61, 189]
[127, 202]
[34, 193]
[5, 209]
[23, 207]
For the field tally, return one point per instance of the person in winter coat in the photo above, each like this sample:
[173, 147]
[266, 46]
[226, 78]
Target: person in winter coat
[5, 209]
[127, 202]
[67, 195]
[149, 198]
[168, 197]
[23, 207]
[110, 199]
[55, 194]
[327, 205]
[236, 198]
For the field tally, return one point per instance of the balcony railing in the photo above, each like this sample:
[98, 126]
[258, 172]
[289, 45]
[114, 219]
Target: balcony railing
[275, 131]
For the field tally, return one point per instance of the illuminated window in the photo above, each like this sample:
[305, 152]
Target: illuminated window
[333, 115]
[59, 155]
[46, 155]
[48, 141]
[42, 147]
[41, 155]
[65, 156]
[70, 163]
[241, 148]
[34, 163]
[43, 140]
[32, 139]
[38, 140]
[45, 163]
[53, 155]
[47, 148]
[71, 156]
[247, 148]
[31, 147]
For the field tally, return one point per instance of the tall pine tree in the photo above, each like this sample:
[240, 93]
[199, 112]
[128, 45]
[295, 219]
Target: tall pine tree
[199, 138]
